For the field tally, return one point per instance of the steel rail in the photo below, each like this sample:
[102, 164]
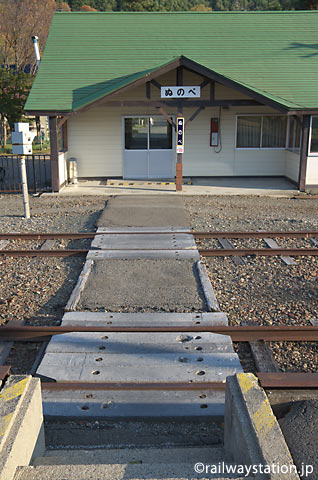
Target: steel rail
[259, 252]
[42, 253]
[308, 333]
[269, 381]
[81, 235]
[214, 252]
[283, 380]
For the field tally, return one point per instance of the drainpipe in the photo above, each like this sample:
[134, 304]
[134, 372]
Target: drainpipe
[36, 50]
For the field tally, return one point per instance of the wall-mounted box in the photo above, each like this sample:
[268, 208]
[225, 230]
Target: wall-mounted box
[22, 149]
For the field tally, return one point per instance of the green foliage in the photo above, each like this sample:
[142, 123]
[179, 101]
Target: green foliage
[14, 89]
[194, 5]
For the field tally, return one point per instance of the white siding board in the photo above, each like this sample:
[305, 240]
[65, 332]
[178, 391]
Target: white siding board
[312, 170]
[292, 160]
[62, 167]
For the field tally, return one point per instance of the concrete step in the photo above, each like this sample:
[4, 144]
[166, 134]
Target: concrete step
[101, 456]
[133, 404]
[117, 472]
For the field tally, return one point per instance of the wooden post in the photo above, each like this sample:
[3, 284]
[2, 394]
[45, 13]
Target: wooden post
[179, 167]
[25, 193]
[54, 155]
[304, 148]
[65, 136]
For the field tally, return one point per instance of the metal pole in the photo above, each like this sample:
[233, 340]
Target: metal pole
[25, 193]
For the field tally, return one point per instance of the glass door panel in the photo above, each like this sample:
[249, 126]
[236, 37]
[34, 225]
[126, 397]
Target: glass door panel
[160, 134]
[136, 133]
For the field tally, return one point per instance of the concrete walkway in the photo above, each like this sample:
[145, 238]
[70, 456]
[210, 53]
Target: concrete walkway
[262, 186]
[133, 278]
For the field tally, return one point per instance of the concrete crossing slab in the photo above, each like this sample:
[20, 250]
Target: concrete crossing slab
[137, 373]
[150, 319]
[156, 241]
[163, 229]
[139, 343]
[143, 254]
[153, 285]
[55, 365]
[130, 404]
[152, 211]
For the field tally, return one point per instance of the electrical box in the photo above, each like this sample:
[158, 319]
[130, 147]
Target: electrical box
[22, 149]
[22, 139]
[21, 127]
[214, 132]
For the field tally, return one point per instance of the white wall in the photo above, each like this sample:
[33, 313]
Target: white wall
[95, 137]
[312, 170]
[292, 161]
[200, 159]
[62, 167]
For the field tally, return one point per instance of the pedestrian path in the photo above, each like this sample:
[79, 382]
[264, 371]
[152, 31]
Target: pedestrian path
[138, 279]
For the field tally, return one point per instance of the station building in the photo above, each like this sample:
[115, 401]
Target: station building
[113, 85]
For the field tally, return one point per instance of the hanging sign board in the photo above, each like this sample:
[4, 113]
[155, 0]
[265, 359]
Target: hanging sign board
[180, 92]
[180, 135]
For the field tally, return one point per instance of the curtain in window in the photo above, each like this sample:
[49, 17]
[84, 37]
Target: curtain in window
[274, 132]
[314, 135]
[248, 132]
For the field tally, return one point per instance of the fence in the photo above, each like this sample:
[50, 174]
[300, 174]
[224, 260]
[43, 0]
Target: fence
[38, 173]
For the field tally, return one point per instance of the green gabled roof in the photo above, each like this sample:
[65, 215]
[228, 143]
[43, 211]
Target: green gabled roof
[90, 55]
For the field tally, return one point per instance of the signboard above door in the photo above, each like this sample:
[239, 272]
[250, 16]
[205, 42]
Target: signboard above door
[180, 92]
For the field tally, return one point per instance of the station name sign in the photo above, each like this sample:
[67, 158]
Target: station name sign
[180, 135]
[180, 92]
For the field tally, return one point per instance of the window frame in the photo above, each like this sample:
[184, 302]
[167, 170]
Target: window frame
[310, 152]
[261, 133]
[148, 116]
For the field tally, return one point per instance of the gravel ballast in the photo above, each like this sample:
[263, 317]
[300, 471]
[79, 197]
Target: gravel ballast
[264, 291]
[35, 290]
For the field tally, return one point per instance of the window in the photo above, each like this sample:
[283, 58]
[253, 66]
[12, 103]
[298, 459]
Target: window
[314, 135]
[267, 131]
[294, 134]
[248, 132]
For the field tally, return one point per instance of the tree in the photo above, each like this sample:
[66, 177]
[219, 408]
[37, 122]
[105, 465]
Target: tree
[103, 5]
[62, 6]
[140, 5]
[19, 21]
[87, 8]
[200, 8]
[14, 89]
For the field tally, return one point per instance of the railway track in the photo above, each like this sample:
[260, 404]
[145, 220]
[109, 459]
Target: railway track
[268, 380]
[205, 252]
